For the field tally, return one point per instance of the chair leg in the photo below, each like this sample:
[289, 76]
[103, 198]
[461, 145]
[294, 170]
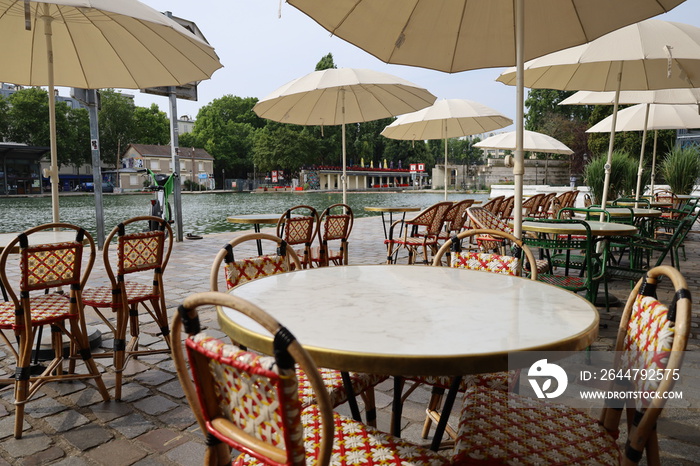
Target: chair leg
[119, 350]
[433, 407]
[370, 406]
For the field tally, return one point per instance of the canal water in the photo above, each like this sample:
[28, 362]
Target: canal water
[201, 213]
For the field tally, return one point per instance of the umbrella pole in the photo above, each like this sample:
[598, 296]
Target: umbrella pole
[641, 157]
[342, 180]
[653, 162]
[518, 163]
[53, 171]
[608, 164]
[445, 128]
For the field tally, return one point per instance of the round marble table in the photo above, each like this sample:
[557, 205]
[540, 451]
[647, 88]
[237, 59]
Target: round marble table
[41, 237]
[410, 320]
[638, 212]
[597, 228]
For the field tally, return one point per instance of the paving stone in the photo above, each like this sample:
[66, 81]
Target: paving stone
[66, 420]
[43, 407]
[86, 397]
[180, 418]
[43, 457]
[66, 387]
[4, 463]
[187, 454]
[155, 405]
[174, 389]
[117, 453]
[162, 440]
[133, 392]
[110, 410]
[153, 377]
[132, 426]
[7, 426]
[31, 443]
[88, 436]
[72, 461]
[133, 367]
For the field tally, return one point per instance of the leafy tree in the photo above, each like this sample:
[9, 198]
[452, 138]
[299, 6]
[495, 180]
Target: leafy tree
[326, 63]
[543, 103]
[4, 118]
[151, 126]
[28, 123]
[225, 128]
[75, 141]
[284, 146]
[116, 125]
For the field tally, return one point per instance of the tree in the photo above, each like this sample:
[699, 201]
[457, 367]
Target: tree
[4, 118]
[151, 126]
[325, 63]
[116, 118]
[75, 141]
[28, 123]
[542, 103]
[226, 129]
[284, 146]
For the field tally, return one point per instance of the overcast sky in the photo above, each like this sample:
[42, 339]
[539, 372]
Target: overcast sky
[260, 52]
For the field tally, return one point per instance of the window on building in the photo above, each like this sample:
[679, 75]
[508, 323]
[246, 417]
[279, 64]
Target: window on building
[155, 164]
[133, 180]
[200, 166]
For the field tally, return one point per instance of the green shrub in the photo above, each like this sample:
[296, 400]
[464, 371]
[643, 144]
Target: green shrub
[681, 168]
[623, 176]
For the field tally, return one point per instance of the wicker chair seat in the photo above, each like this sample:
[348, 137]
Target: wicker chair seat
[102, 295]
[46, 309]
[355, 444]
[504, 428]
[333, 381]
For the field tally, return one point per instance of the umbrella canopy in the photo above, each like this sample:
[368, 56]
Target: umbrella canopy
[96, 44]
[532, 142]
[340, 96]
[448, 118]
[660, 116]
[469, 34]
[663, 96]
[649, 55]
[643, 117]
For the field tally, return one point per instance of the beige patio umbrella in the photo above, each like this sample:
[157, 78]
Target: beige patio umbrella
[463, 35]
[342, 95]
[643, 117]
[96, 44]
[532, 142]
[649, 55]
[663, 96]
[447, 118]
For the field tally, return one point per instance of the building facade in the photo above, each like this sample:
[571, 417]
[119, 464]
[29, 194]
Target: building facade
[196, 165]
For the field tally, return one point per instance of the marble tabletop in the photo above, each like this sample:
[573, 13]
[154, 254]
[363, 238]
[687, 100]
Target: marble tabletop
[597, 228]
[414, 320]
[41, 237]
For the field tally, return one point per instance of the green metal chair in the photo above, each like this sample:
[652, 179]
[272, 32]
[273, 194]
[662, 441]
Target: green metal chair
[581, 244]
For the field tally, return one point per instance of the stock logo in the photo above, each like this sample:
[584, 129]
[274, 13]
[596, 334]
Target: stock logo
[540, 376]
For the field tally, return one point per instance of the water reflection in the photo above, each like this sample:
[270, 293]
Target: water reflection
[201, 213]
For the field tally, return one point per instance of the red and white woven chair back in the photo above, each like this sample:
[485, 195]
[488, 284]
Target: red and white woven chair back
[647, 343]
[50, 265]
[484, 219]
[252, 392]
[140, 251]
[245, 270]
[336, 227]
[435, 225]
[495, 263]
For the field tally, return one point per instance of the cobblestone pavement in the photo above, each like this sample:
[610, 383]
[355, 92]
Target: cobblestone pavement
[153, 425]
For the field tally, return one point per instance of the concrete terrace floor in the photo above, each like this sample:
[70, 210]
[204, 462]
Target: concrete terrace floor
[153, 425]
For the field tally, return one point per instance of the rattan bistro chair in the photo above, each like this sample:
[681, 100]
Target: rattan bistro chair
[421, 233]
[334, 227]
[505, 428]
[43, 267]
[140, 260]
[248, 402]
[239, 270]
[299, 226]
